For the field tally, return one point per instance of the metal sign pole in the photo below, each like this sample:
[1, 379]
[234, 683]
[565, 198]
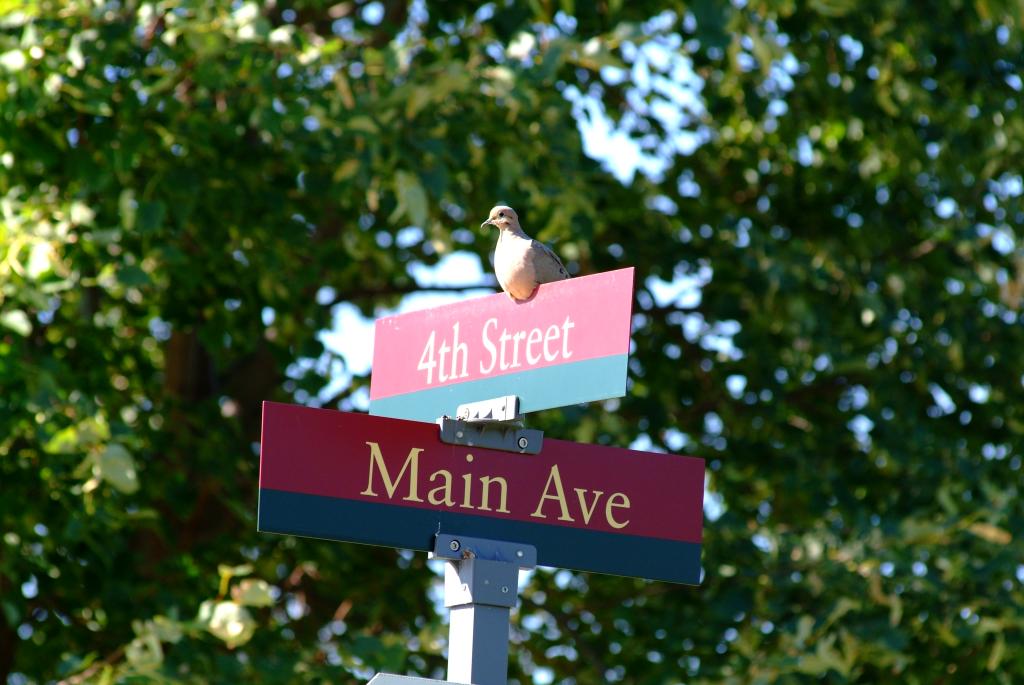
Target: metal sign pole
[480, 588]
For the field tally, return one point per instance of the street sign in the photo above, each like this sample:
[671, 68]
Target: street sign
[566, 345]
[392, 482]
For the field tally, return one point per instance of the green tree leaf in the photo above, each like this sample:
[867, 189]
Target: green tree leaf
[17, 321]
[115, 465]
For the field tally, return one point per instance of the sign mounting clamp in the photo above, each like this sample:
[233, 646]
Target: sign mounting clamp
[496, 424]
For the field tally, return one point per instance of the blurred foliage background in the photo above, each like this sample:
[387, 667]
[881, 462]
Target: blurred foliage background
[188, 188]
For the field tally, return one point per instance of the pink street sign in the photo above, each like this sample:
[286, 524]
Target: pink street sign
[568, 344]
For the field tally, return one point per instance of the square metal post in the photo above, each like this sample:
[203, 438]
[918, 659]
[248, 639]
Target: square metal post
[480, 588]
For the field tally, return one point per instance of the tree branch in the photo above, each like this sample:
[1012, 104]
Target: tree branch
[83, 676]
[368, 293]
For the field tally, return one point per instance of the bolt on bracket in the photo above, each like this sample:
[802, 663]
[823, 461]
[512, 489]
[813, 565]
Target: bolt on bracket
[493, 424]
[455, 547]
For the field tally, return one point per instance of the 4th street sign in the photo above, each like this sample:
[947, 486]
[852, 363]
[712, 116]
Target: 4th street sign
[391, 482]
[568, 344]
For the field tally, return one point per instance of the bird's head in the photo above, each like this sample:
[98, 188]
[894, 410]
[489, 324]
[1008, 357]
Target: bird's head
[503, 217]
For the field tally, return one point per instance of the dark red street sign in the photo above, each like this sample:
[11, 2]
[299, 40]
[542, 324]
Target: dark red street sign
[391, 482]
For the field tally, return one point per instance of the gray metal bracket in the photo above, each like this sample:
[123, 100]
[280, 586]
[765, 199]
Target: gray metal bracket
[493, 424]
[503, 409]
[493, 436]
[458, 547]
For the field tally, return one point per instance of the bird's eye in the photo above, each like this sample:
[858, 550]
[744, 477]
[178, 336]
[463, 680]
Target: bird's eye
[501, 214]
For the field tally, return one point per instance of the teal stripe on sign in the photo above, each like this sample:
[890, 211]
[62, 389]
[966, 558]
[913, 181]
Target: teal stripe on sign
[545, 388]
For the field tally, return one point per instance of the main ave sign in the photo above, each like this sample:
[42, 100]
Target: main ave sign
[566, 345]
[381, 481]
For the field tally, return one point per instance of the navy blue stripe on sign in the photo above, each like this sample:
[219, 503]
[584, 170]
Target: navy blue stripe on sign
[388, 525]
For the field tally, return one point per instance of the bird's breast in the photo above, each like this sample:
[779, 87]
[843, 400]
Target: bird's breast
[513, 267]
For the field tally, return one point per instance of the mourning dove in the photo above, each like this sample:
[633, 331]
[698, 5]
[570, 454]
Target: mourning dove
[520, 262]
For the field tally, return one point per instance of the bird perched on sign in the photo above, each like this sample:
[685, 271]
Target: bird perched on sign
[520, 262]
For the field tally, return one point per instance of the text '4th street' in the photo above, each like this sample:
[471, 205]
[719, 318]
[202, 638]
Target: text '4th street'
[501, 351]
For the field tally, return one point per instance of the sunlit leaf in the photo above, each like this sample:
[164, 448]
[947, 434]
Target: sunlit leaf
[411, 197]
[13, 60]
[253, 592]
[115, 465]
[991, 533]
[228, 621]
[144, 652]
[17, 321]
[234, 571]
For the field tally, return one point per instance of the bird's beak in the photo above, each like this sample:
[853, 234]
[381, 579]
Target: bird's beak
[487, 223]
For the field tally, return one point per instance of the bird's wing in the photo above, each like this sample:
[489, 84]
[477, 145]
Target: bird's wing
[547, 266]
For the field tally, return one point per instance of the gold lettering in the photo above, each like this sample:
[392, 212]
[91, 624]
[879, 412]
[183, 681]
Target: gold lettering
[623, 503]
[467, 491]
[582, 495]
[556, 479]
[485, 482]
[446, 489]
[467, 484]
[411, 464]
